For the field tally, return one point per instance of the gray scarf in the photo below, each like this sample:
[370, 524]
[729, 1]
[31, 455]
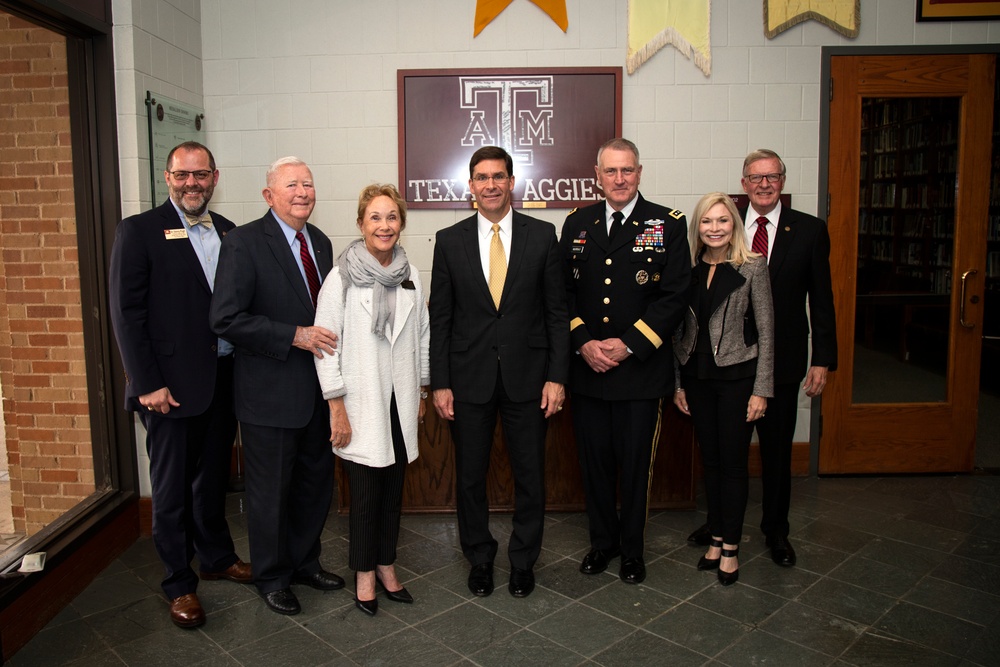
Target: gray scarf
[359, 267]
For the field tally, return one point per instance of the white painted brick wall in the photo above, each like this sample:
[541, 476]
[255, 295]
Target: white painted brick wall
[317, 79]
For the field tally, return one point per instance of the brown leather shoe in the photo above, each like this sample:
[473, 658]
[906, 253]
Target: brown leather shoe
[186, 611]
[239, 572]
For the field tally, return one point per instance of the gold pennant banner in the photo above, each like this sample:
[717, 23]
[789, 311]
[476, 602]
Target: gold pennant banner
[843, 16]
[487, 10]
[652, 24]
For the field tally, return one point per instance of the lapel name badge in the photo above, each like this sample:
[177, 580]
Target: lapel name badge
[407, 284]
[172, 234]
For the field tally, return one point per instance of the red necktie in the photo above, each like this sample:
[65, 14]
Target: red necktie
[760, 237]
[312, 277]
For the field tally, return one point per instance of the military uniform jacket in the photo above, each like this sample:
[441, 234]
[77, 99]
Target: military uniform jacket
[634, 288]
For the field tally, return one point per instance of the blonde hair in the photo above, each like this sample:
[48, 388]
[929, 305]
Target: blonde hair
[739, 252]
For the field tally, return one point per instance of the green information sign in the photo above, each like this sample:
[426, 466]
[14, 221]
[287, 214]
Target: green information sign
[170, 123]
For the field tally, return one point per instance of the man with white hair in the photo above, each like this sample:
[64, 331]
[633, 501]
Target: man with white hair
[269, 274]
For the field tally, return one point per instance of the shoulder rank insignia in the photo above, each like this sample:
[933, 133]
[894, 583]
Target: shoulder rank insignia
[675, 214]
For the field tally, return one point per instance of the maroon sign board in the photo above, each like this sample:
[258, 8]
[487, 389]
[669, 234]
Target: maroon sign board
[551, 121]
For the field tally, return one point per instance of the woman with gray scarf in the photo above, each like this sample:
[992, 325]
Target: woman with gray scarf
[373, 381]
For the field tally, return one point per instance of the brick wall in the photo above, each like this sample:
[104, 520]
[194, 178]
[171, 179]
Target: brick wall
[42, 368]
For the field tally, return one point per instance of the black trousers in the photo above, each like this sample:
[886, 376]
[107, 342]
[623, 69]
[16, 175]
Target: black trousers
[376, 503]
[616, 442]
[189, 470]
[289, 487]
[719, 412]
[775, 431]
[524, 428]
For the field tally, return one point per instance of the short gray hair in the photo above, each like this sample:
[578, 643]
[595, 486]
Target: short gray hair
[762, 154]
[618, 144]
[289, 160]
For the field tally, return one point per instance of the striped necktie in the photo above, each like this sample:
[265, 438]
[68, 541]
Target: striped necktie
[312, 276]
[759, 245]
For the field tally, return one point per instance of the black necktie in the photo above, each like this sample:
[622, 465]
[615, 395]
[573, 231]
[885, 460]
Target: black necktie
[616, 224]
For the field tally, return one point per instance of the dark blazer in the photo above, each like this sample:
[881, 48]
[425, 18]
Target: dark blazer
[159, 301]
[260, 298]
[634, 288]
[741, 326]
[800, 267]
[529, 332]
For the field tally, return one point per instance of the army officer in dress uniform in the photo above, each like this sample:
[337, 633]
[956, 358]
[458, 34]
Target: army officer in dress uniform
[628, 272]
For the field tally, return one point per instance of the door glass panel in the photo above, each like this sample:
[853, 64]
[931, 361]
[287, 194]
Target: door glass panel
[906, 221]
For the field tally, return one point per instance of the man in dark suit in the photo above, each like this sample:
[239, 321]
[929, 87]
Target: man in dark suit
[628, 271]
[269, 276]
[179, 375]
[797, 247]
[499, 344]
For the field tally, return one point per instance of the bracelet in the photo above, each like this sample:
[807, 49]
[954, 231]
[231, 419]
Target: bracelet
[678, 390]
[423, 394]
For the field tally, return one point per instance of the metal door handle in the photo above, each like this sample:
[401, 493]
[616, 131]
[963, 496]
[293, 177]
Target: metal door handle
[961, 315]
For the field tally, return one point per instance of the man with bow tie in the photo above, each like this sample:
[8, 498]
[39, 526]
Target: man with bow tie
[179, 375]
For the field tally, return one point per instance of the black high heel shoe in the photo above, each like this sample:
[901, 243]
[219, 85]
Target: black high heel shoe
[710, 563]
[729, 578]
[402, 595]
[369, 607]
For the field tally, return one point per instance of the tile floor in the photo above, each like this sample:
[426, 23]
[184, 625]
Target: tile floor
[892, 571]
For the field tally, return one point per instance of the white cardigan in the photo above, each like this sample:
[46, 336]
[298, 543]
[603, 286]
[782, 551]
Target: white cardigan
[365, 369]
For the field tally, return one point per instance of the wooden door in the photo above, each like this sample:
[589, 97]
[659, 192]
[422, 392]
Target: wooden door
[909, 164]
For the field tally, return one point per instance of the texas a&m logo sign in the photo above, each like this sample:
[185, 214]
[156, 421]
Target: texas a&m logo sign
[551, 121]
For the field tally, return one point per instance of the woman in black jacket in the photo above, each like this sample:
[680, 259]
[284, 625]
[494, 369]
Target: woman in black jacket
[725, 365]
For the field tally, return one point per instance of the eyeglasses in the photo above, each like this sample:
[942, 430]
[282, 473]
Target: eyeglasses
[198, 175]
[481, 179]
[757, 178]
[626, 172]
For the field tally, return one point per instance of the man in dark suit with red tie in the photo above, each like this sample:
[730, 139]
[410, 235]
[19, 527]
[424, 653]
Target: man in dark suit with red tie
[179, 375]
[797, 247]
[270, 271]
[499, 345]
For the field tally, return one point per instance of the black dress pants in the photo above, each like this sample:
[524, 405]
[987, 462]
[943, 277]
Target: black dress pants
[376, 503]
[775, 431]
[616, 442]
[524, 428]
[189, 471]
[289, 487]
[719, 412]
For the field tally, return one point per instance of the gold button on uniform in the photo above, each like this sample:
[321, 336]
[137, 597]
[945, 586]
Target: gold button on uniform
[608, 261]
[607, 281]
[607, 319]
[607, 300]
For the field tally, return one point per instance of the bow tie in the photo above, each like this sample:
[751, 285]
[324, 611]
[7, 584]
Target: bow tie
[203, 219]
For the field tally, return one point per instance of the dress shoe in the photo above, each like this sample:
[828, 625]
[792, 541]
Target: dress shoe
[283, 601]
[321, 581]
[186, 611]
[702, 537]
[597, 561]
[710, 563]
[729, 578]
[369, 607]
[239, 572]
[633, 571]
[782, 552]
[481, 579]
[522, 582]
[402, 595]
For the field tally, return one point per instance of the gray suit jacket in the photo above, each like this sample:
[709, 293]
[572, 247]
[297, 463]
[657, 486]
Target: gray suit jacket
[742, 323]
[260, 298]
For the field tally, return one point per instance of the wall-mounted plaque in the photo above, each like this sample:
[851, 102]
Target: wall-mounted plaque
[170, 123]
[551, 121]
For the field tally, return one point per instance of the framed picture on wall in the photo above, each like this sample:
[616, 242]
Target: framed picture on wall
[957, 10]
[550, 120]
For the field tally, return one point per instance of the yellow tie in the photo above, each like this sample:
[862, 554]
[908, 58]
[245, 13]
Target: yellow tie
[498, 266]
